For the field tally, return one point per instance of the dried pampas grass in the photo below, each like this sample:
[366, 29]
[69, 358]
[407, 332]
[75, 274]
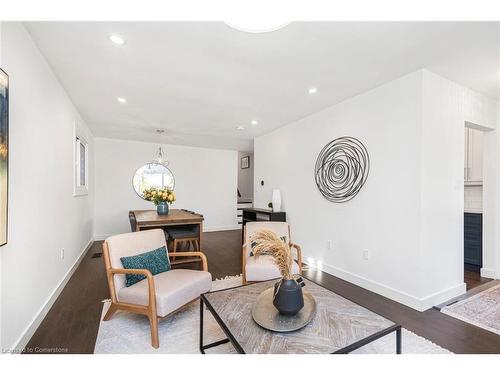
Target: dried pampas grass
[268, 243]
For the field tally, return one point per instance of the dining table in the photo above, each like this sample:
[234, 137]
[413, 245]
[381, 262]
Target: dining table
[149, 219]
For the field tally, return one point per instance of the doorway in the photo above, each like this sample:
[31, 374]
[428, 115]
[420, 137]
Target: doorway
[473, 205]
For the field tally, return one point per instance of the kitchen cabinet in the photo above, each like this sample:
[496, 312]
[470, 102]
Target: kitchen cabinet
[473, 241]
[473, 161]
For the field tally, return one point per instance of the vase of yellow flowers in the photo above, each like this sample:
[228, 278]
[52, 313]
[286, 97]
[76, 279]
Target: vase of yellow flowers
[160, 197]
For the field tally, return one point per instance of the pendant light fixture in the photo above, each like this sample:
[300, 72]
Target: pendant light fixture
[161, 156]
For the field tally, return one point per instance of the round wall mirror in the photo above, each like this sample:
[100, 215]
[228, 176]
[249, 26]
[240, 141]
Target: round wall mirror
[153, 175]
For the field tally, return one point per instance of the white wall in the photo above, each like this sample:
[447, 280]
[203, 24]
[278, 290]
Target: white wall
[205, 182]
[447, 107]
[44, 217]
[491, 201]
[381, 218]
[409, 215]
[245, 177]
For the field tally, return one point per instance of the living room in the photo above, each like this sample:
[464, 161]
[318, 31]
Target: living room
[204, 186]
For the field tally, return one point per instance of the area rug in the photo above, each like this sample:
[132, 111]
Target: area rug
[482, 309]
[128, 333]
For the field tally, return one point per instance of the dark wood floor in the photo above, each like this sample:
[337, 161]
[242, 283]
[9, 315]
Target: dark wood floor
[474, 279]
[73, 320]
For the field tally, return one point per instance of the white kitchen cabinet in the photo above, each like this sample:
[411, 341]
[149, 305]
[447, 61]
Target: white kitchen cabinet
[473, 167]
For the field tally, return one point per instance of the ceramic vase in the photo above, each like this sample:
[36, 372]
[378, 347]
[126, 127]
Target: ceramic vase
[276, 200]
[162, 208]
[288, 298]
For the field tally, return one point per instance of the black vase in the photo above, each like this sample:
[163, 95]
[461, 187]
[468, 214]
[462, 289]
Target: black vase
[288, 298]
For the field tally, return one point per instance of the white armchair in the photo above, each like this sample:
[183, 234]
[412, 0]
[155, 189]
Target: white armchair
[155, 296]
[263, 268]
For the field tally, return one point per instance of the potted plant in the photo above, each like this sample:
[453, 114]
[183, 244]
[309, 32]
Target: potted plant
[288, 298]
[160, 197]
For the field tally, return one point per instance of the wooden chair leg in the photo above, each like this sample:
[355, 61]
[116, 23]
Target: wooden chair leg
[155, 341]
[174, 248]
[112, 309]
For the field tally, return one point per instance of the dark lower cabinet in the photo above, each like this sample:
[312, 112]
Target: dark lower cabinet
[473, 241]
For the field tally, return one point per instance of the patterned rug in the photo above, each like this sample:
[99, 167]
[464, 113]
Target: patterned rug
[128, 333]
[482, 309]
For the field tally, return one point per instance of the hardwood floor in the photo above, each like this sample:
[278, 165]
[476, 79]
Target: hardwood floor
[474, 279]
[73, 320]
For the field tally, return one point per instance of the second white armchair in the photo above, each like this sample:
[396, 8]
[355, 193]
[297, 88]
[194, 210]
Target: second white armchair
[263, 268]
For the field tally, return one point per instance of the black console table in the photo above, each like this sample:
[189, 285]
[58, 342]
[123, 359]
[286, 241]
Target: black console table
[261, 214]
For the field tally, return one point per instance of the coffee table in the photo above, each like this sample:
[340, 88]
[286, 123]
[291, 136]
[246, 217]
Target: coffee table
[338, 327]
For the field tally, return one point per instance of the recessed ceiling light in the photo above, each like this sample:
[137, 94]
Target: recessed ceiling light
[254, 122]
[240, 128]
[116, 39]
[121, 100]
[313, 90]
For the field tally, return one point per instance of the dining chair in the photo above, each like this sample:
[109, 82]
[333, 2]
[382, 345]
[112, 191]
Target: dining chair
[263, 268]
[156, 296]
[184, 234]
[133, 221]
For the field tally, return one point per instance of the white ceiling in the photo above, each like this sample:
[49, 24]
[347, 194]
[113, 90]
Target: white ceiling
[199, 80]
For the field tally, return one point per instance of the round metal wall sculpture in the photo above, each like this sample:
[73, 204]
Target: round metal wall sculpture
[342, 169]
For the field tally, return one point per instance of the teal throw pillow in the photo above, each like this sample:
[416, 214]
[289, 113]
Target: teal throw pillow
[156, 261]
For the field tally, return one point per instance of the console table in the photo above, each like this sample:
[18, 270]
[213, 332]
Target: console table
[262, 214]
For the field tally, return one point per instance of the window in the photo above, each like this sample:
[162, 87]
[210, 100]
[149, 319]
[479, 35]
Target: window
[81, 183]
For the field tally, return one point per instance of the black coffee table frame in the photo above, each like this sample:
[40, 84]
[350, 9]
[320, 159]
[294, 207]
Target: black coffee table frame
[230, 338]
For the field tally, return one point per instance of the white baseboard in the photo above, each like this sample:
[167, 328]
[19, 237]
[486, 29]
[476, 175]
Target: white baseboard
[442, 296]
[218, 229]
[35, 323]
[420, 304]
[489, 273]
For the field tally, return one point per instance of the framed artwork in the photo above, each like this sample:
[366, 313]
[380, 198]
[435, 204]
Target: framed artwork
[245, 162]
[4, 155]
